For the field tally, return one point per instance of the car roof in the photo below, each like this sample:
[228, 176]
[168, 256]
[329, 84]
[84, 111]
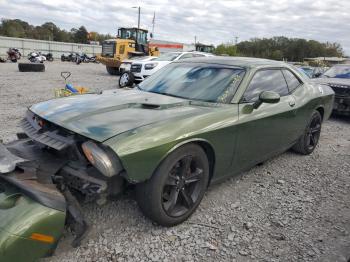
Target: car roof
[235, 61]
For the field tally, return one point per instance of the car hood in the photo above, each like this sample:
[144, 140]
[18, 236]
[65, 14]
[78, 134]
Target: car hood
[102, 116]
[332, 81]
[160, 64]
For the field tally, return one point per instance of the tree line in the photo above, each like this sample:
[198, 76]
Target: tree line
[279, 48]
[49, 31]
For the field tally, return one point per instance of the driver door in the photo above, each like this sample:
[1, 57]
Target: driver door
[264, 132]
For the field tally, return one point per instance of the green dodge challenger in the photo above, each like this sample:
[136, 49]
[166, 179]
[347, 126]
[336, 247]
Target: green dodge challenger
[191, 124]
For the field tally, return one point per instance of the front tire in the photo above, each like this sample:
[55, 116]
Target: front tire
[309, 140]
[176, 188]
[126, 79]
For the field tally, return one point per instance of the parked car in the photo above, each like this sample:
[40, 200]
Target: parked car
[126, 77]
[126, 64]
[143, 69]
[338, 78]
[194, 123]
[312, 72]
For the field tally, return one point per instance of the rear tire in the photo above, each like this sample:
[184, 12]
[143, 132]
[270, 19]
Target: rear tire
[113, 70]
[309, 140]
[176, 188]
[31, 67]
[126, 79]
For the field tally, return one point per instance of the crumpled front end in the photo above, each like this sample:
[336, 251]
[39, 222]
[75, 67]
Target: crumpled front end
[28, 229]
[32, 214]
[39, 173]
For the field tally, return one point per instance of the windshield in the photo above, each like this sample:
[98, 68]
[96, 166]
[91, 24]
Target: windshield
[204, 82]
[167, 57]
[338, 71]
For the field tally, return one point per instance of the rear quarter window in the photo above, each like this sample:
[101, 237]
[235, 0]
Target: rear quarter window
[292, 81]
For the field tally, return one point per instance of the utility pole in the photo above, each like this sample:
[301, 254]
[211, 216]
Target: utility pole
[138, 22]
[195, 40]
[236, 40]
[153, 22]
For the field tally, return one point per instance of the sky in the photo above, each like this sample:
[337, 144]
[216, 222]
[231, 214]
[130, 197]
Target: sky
[212, 22]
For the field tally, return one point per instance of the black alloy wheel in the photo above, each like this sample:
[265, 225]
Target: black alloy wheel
[309, 140]
[126, 79]
[313, 133]
[177, 186]
[182, 188]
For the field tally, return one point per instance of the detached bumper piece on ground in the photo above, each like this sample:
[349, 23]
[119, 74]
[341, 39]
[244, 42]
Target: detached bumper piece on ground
[33, 211]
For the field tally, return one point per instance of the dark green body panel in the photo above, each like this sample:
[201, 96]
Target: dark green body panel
[20, 216]
[143, 128]
[143, 149]
[240, 136]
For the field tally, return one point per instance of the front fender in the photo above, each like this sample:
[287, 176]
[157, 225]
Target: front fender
[141, 150]
[140, 166]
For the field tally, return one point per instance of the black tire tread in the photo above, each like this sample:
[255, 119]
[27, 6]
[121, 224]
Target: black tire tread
[300, 146]
[31, 67]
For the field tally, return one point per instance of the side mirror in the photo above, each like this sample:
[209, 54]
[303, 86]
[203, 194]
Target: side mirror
[268, 97]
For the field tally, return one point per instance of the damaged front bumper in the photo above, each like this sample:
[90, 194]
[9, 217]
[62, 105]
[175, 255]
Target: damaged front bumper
[28, 229]
[33, 206]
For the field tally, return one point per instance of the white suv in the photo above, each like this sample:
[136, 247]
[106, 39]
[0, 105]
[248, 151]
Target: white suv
[143, 69]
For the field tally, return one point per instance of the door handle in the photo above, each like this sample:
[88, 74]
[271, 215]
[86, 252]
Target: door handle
[292, 103]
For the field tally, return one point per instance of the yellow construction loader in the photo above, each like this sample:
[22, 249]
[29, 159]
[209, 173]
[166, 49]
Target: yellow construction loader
[129, 42]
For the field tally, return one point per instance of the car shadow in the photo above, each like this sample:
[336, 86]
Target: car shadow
[340, 118]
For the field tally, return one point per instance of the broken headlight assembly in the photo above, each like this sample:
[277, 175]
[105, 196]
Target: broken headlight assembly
[103, 158]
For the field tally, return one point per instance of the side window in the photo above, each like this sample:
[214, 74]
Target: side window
[121, 49]
[186, 56]
[266, 80]
[292, 81]
[198, 55]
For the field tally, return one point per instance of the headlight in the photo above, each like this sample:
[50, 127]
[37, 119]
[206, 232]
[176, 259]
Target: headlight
[150, 66]
[104, 159]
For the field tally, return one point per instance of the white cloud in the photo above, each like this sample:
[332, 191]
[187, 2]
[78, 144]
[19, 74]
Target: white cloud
[211, 21]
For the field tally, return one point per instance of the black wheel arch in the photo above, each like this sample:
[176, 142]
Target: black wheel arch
[209, 151]
[320, 109]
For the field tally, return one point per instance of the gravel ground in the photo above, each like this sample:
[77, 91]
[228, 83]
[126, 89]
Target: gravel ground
[291, 208]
